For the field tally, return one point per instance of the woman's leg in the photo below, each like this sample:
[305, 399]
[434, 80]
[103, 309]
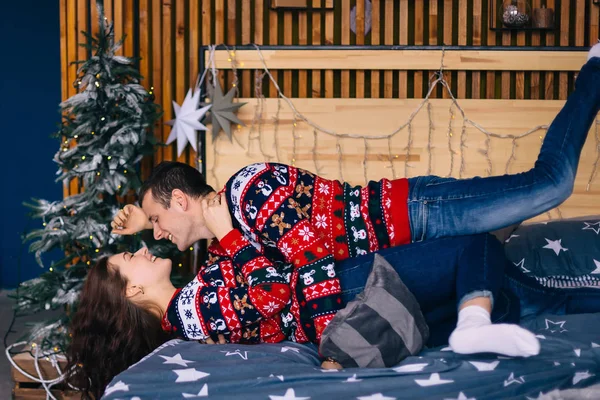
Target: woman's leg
[536, 299]
[442, 274]
[440, 207]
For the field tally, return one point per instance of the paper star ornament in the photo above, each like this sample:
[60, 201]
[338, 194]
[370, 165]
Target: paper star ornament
[222, 113]
[187, 121]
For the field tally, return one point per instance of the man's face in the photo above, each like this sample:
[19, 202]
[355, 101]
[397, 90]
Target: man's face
[175, 223]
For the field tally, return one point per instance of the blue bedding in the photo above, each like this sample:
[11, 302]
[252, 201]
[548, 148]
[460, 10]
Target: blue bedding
[569, 358]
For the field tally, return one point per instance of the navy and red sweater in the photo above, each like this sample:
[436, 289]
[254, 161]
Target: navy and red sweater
[272, 278]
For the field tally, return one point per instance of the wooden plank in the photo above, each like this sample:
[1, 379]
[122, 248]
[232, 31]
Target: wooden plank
[345, 29]
[144, 52]
[477, 37]
[418, 27]
[108, 10]
[64, 62]
[180, 77]
[302, 40]
[360, 40]
[579, 27]
[129, 31]
[375, 40]
[287, 40]
[247, 77]
[536, 42]
[329, 29]
[219, 21]
[382, 116]
[194, 40]
[505, 87]
[594, 24]
[94, 18]
[388, 76]
[563, 79]
[21, 393]
[72, 69]
[520, 76]
[316, 40]
[448, 7]
[118, 23]
[403, 75]
[157, 60]
[167, 74]
[490, 76]
[27, 363]
[273, 39]
[433, 32]
[409, 59]
[462, 41]
[550, 41]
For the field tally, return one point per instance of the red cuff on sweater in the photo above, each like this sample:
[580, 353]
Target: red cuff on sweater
[232, 242]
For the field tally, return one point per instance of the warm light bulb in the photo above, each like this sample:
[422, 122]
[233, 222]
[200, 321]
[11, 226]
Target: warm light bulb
[191, 248]
[180, 264]
[91, 237]
[98, 173]
[125, 171]
[83, 157]
[51, 269]
[97, 84]
[102, 119]
[109, 157]
[75, 137]
[97, 250]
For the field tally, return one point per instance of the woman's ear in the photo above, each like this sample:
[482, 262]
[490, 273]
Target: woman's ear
[133, 290]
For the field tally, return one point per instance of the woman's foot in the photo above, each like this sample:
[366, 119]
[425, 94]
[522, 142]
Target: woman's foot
[594, 51]
[475, 333]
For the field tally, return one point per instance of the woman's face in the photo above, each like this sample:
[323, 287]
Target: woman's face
[142, 268]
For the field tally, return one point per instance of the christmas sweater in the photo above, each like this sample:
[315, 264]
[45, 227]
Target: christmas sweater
[272, 278]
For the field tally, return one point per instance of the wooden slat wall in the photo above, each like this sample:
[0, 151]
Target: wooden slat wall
[347, 116]
[167, 35]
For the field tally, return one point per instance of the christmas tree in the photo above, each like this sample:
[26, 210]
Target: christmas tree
[106, 129]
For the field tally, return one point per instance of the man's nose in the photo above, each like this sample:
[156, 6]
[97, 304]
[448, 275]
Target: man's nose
[158, 233]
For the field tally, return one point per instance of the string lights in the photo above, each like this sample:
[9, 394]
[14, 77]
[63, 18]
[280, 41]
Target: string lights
[455, 112]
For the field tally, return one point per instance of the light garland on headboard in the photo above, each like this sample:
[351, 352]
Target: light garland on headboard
[256, 131]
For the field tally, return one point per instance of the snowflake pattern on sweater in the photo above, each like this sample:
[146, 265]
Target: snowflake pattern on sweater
[273, 277]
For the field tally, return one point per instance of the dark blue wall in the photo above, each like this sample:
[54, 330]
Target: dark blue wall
[30, 93]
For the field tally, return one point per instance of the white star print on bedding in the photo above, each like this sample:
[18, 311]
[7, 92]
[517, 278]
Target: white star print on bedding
[555, 245]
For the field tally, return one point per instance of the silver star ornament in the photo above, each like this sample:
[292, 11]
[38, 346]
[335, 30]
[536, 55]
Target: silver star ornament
[187, 121]
[222, 114]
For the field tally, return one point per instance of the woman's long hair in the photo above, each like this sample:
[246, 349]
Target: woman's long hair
[109, 332]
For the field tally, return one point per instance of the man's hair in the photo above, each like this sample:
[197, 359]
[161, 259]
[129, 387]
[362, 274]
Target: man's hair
[170, 175]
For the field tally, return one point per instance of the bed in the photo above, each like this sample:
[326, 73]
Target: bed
[484, 142]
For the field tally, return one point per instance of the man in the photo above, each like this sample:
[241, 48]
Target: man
[272, 214]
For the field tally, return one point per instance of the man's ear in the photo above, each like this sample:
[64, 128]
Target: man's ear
[133, 290]
[178, 198]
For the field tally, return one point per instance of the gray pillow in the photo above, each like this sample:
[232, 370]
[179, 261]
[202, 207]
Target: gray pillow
[379, 328]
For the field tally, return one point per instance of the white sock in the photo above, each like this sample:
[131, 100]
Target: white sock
[594, 51]
[475, 333]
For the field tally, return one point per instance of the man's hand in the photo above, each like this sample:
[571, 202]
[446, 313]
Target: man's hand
[216, 216]
[129, 220]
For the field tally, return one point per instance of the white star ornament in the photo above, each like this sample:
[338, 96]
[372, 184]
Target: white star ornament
[187, 121]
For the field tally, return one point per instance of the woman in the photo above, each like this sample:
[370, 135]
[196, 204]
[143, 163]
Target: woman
[127, 298]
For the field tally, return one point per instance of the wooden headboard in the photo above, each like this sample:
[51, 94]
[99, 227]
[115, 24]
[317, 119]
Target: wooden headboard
[440, 140]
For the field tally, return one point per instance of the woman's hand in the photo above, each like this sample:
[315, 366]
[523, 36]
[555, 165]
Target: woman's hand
[327, 364]
[220, 341]
[129, 220]
[216, 216]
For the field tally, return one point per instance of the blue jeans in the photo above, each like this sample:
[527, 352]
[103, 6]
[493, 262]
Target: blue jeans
[440, 207]
[441, 274]
[444, 273]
